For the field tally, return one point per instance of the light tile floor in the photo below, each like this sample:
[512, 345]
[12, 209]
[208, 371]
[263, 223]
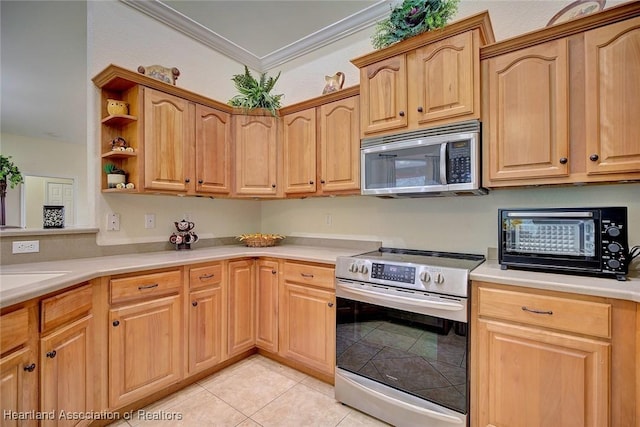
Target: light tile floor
[256, 391]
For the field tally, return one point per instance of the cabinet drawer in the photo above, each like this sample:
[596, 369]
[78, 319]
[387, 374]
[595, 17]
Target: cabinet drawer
[309, 274]
[14, 329]
[584, 317]
[145, 286]
[65, 308]
[205, 276]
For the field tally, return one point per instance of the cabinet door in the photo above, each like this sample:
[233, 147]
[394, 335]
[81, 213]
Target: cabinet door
[612, 91]
[145, 348]
[242, 306]
[213, 138]
[19, 386]
[205, 328]
[445, 81]
[530, 377]
[299, 149]
[528, 135]
[383, 90]
[168, 141]
[307, 319]
[66, 375]
[340, 146]
[267, 305]
[256, 155]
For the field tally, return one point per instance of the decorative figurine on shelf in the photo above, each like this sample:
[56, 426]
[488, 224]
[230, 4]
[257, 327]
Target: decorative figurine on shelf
[116, 107]
[119, 144]
[159, 72]
[333, 83]
[184, 237]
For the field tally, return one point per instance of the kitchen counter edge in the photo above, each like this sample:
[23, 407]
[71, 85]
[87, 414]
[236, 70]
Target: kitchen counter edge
[584, 285]
[77, 271]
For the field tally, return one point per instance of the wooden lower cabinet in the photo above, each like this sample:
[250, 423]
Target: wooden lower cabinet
[66, 374]
[19, 366]
[307, 326]
[267, 304]
[241, 306]
[145, 348]
[541, 358]
[205, 328]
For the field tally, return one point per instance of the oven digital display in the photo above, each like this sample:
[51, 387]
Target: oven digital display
[395, 273]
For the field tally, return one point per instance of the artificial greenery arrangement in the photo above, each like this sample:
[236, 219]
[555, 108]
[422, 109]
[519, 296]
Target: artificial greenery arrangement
[254, 93]
[9, 173]
[412, 17]
[111, 169]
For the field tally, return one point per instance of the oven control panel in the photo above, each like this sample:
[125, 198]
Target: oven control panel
[395, 273]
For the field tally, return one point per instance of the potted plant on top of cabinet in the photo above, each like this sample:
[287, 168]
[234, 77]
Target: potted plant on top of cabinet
[255, 93]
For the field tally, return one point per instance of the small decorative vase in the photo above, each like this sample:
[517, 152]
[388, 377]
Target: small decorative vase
[117, 107]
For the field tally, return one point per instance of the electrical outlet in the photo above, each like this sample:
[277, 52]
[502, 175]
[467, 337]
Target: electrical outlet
[113, 222]
[328, 219]
[26, 246]
[150, 221]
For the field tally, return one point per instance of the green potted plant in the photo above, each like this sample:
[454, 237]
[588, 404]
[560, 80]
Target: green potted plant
[255, 93]
[412, 17]
[9, 174]
[115, 175]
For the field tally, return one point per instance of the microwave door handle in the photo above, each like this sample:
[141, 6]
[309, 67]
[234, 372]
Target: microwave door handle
[550, 214]
[443, 163]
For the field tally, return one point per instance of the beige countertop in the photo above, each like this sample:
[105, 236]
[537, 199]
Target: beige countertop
[72, 272]
[603, 287]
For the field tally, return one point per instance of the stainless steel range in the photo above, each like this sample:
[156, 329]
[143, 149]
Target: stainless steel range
[402, 335]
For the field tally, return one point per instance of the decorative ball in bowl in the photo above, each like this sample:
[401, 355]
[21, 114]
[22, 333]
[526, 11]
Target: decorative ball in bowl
[259, 240]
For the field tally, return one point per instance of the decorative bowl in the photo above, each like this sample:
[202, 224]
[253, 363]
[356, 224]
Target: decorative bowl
[259, 240]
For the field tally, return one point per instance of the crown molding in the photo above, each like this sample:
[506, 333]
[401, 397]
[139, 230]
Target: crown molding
[334, 32]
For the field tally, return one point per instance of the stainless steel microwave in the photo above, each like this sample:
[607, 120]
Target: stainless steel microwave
[591, 241]
[433, 162]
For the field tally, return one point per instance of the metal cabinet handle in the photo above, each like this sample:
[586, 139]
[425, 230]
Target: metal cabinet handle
[187, 180]
[200, 181]
[310, 182]
[330, 304]
[531, 310]
[401, 113]
[195, 303]
[116, 323]
[141, 287]
[563, 160]
[206, 276]
[30, 368]
[322, 181]
[273, 186]
[420, 110]
[51, 354]
[594, 157]
[273, 271]
[306, 275]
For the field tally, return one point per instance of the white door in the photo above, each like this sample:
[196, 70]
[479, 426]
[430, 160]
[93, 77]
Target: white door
[62, 194]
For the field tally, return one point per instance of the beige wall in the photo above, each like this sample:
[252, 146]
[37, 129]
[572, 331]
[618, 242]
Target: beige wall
[460, 224]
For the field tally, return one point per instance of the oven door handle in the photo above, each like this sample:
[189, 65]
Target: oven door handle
[408, 406]
[407, 302]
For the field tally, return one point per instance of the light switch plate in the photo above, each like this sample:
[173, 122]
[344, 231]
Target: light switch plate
[113, 222]
[150, 220]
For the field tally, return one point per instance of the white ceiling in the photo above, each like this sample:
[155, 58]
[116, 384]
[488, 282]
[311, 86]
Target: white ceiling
[43, 44]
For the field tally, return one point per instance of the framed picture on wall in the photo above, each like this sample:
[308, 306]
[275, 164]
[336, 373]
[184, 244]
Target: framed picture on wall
[577, 9]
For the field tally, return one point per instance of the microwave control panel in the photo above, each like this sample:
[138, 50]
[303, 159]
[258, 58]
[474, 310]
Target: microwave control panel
[459, 162]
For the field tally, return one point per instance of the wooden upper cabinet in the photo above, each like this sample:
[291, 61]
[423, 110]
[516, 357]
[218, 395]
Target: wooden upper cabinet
[383, 90]
[612, 98]
[299, 151]
[447, 82]
[528, 115]
[212, 158]
[256, 155]
[168, 141]
[424, 81]
[339, 146]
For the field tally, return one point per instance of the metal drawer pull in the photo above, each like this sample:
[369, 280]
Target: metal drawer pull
[155, 285]
[549, 312]
[30, 368]
[206, 276]
[51, 354]
[308, 276]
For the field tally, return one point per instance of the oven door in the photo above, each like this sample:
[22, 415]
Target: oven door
[402, 365]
